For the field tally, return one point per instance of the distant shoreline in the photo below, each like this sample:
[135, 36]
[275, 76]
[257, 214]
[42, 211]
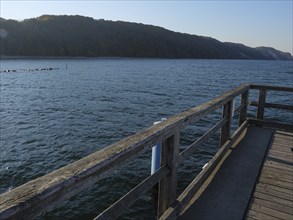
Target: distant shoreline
[83, 57]
[50, 57]
[4, 57]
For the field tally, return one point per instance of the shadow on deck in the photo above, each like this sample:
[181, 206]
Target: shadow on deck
[244, 186]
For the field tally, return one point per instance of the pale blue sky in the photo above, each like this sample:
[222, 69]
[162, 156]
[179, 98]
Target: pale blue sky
[253, 23]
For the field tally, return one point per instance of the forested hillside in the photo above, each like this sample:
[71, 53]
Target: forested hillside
[83, 36]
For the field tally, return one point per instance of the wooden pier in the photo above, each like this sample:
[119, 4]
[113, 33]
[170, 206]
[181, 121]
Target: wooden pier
[234, 183]
[273, 195]
[249, 177]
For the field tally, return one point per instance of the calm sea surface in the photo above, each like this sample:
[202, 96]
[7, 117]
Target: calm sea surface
[50, 118]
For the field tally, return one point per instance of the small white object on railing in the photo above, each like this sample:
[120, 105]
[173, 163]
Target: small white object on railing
[156, 153]
[204, 166]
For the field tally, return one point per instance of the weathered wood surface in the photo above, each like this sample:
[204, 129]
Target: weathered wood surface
[261, 104]
[271, 124]
[123, 203]
[225, 131]
[168, 184]
[45, 193]
[186, 196]
[273, 88]
[273, 195]
[273, 105]
[243, 110]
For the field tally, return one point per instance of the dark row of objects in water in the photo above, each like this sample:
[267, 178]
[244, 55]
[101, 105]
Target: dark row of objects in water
[29, 70]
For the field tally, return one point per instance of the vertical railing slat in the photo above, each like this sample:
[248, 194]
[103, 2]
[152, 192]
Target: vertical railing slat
[243, 111]
[168, 185]
[225, 131]
[261, 104]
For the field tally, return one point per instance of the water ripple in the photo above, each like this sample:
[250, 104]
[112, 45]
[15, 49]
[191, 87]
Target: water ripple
[53, 118]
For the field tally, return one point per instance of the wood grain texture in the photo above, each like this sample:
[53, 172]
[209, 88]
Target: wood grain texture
[261, 104]
[168, 185]
[273, 195]
[225, 131]
[273, 105]
[45, 193]
[243, 111]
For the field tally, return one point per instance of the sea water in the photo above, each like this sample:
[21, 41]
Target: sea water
[56, 111]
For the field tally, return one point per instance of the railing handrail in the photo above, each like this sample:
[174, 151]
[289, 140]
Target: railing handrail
[271, 87]
[261, 105]
[44, 193]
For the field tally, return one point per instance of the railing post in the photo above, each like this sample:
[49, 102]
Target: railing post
[243, 111]
[168, 185]
[225, 131]
[261, 104]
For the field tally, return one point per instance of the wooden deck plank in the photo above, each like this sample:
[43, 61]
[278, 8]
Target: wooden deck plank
[282, 142]
[283, 137]
[281, 155]
[279, 175]
[271, 212]
[273, 169]
[284, 133]
[277, 200]
[260, 216]
[275, 182]
[274, 191]
[278, 165]
[273, 195]
[280, 147]
[276, 188]
[273, 205]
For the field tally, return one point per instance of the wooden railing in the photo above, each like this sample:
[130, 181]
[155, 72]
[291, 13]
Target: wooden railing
[45, 193]
[262, 104]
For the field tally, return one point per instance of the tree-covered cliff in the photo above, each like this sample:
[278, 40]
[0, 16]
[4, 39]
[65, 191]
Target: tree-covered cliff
[83, 36]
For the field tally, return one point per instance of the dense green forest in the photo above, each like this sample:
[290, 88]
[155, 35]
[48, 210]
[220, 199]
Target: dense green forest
[85, 37]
